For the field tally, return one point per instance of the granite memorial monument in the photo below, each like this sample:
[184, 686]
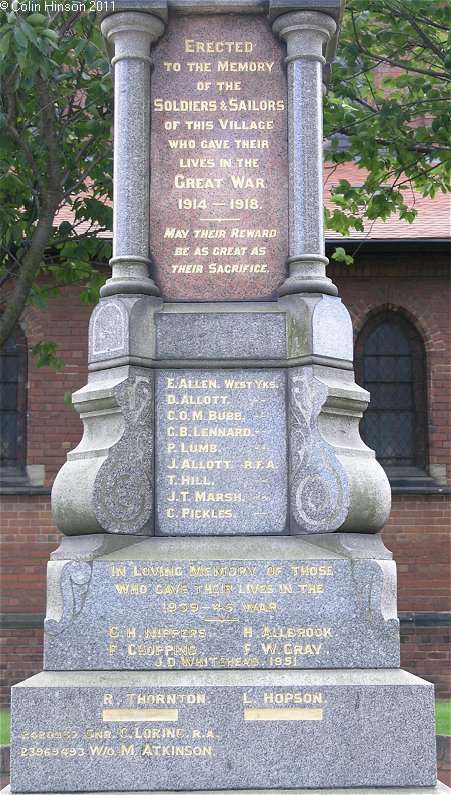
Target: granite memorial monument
[221, 613]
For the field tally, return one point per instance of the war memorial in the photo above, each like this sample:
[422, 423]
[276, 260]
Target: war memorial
[221, 613]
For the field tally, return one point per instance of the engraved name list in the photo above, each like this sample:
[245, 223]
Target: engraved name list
[222, 465]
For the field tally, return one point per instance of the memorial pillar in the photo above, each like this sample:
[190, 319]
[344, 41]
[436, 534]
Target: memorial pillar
[223, 593]
[306, 34]
[132, 35]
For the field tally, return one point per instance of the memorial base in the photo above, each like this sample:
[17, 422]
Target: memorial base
[209, 730]
[439, 789]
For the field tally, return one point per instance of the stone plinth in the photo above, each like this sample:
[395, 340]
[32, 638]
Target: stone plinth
[300, 729]
[439, 789]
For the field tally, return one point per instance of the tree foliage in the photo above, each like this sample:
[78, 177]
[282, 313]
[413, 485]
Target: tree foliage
[55, 152]
[388, 110]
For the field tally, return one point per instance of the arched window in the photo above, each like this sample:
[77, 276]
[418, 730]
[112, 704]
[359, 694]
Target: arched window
[13, 405]
[390, 363]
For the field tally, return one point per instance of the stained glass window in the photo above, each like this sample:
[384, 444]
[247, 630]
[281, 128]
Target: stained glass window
[13, 378]
[391, 365]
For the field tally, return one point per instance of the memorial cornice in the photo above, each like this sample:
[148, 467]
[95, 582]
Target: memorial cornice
[273, 8]
[334, 8]
[158, 8]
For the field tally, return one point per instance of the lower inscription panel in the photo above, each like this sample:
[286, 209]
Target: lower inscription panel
[114, 731]
[221, 466]
[293, 607]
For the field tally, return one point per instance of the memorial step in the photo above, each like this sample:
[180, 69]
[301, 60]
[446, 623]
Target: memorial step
[147, 731]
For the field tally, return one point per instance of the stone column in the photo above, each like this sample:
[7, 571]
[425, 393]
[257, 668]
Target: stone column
[131, 34]
[306, 34]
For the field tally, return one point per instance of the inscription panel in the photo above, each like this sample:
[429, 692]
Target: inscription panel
[221, 452]
[139, 732]
[227, 614]
[219, 160]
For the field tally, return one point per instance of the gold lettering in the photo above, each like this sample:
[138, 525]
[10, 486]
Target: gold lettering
[290, 714]
[193, 46]
[245, 66]
[197, 183]
[199, 66]
[270, 697]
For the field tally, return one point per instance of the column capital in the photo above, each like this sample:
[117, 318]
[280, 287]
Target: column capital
[333, 8]
[130, 34]
[305, 33]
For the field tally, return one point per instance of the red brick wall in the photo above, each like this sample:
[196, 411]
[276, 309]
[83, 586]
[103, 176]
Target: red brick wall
[28, 532]
[53, 429]
[425, 652]
[21, 653]
[418, 531]
[419, 289]
[28, 538]
[418, 535]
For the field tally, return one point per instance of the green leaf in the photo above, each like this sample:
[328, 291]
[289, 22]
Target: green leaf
[20, 38]
[67, 397]
[28, 32]
[50, 34]
[37, 19]
[4, 44]
[45, 353]
[340, 256]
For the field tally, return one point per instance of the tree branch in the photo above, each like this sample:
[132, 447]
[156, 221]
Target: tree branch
[80, 181]
[50, 199]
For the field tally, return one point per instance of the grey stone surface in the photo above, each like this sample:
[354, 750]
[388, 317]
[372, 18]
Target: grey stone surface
[273, 8]
[123, 326]
[353, 545]
[247, 334]
[222, 604]
[35, 474]
[221, 457]
[89, 547]
[218, 6]
[306, 34]
[328, 545]
[131, 35]
[318, 325]
[332, 329]
[319, 495]
[335, 480]
[439, 789]
[126, 729]
[106, 483]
